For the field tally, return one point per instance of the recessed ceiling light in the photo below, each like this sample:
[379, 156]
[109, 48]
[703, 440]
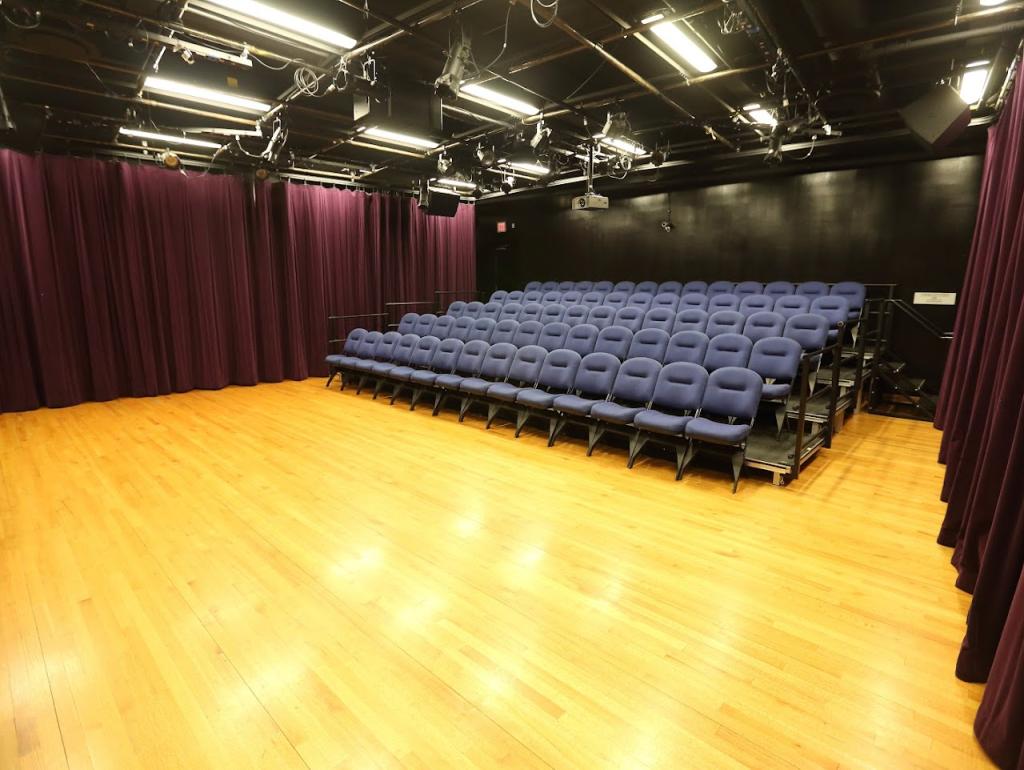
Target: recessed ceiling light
[395, 137]
[496, 99]
[275, 20]
[673, 36]
[196, 93]
[153, 136]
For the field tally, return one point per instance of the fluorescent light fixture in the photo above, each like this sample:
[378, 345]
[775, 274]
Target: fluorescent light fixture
[622, 145]
[394, 137]
[152, 136]
[453, 182]
[530, 168]
[674, 37]
[496, 99]
[991, 3]
[972, 84]
[194, 93]
[652, 19]
[275, 20]
[761, 115]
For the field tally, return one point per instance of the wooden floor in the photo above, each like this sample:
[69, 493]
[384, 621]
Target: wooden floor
[290, 577]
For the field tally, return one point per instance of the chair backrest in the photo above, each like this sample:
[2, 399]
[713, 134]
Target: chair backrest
[646, 287]
[527, 333]
[473, 309]
[403, 350]
[582, 338]
[604, 286]
[835, 309]
[727, 350]
[746, 288]
[408, 323]
[854, 293]
[693, 300]
[670, 287]
[666, 299]
[592, 299]
[695, 287]
[636, 380]
[456, 309]
[533, 286]
[575, 314]
[386, 347]
[640, 299]
[732, 391]
[755, 303]
[498, 296]
[482, 328]
[531, 312]
[630, 317]
[527, 364]
[720, 287]
[776, 358]
[765, 324]
[514, 296]
[689, 347]
[660, 318]
[446, 354]
[551, 313]
[596, 374]
[777, 289]
[691, 319]
[491, 310]
[442, 327]
[530, 297]
[559, 370]
[572, 297]
[471, 357]
[616, 299]
[601, 316]
[552, 336]
[549, 286]
[461, 327]
[504, 331]
[583, 286]
[725, 322]
[649, 343]
[510, 310]
[352, 341]
[368, 344]
[626, 287]
[811, 331]
[723, 302]
[566, 285]
[680, 387]
[614, 340]
[812, 289]
[498, 361]
[424, 351]
[790, 305]
[551, 297]
[421, 324]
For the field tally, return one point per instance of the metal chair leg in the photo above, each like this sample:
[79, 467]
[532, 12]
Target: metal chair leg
[376, 389]
[684, 455]
[359, 386]
[438, 399]
[396, 391]
[331, 375]
[492, 412]
[635, 445]
[554, 429]
[737, 466]
[414, 398]
[595, 431]
[464, 407]
[522, 416]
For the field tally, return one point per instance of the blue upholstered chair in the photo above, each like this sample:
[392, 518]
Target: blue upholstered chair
[641, 300]
[422, 325]
[746, 288]
[407, 323]
[660, 318]
[695, 287]
[727, 350]
[691, 319]
[499, 297]
[527, 333]
[718, 302]
[531, 297]
[491, 310]
[557, 377]
[572, 297]
[725, 322]
[616, 300]
[677, 397]
[422, 355]
[854, 293]
[551, 298]
[670, 287]
[811, 331]
[601, 316]
[593, 383]
[473, 309]
[552, 336]
[582, 339]
[835, 309]
[648, 343]
[575, 315]
[456, 309]
[687, 347]
[720, 287]
[565, 286]
[523, 373]
[533, 286]
[646, 287]
[756, 303]
[614, 340]
[494, 368]
[551, 314]
[777, 289]
[592, 299]
[812, 289]
[504, 331]
[531, 312]
[442, 327]
[466, 365]
[514, 296]
[631, 393]
[666, 299]
[604, 287]
[583, 286]
[510, 311]
[790, 305]
[761, 325]
[625, 287]
[631, 318]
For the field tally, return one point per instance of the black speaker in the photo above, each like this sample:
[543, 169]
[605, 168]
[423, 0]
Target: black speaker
[438, 203]
[937, 118]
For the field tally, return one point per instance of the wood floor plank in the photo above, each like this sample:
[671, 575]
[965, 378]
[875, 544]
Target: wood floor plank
[286, 576]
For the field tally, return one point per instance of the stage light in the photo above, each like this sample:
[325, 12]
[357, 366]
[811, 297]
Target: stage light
[659, 156]
[170, 160]
[973, 82]
[394, 137]
[541, 140]
[530, 168]
[275, 20]
[453, 182]
[507, 183]
[485, 155]
[449, 81]
[196, 93]
[497, 100]
[153, 136]
[443, 163]
[681, 44]
[760, 115]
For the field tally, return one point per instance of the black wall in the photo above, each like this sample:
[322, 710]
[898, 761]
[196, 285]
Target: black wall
[908, 223]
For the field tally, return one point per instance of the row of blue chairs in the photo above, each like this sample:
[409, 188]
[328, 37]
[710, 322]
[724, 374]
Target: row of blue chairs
[679, 403]
[848, 289]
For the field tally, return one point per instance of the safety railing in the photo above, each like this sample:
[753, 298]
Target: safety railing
[333, 337]
[395, 310]
[809, 359]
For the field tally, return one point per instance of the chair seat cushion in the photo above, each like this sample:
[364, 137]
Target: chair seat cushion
[342, 362]
[716, 432]
[618, 414]
[659, 422]
[537, 398]
[449, 381]
[382, 367]
[475, 385]
[504, 391]
[364, 364]
[335, 359]
[575, 404]
[776, 390]
[423, 377]
[402, 373]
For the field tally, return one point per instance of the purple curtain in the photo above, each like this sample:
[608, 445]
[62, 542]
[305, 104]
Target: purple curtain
[120, 280]
[981, 412]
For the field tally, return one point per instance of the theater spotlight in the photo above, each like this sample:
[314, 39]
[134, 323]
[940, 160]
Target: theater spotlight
[507, 183]
[541, 140]
[169, 159]
[450, 80]
[660, 155]
[6, 123]
[485, 155]
[443, 163]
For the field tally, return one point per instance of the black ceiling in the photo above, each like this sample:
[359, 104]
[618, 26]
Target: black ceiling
[72, 74]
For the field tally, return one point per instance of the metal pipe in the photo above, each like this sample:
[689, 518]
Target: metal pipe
[952, 37]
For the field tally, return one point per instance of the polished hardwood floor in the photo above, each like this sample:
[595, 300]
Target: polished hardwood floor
[286, 576]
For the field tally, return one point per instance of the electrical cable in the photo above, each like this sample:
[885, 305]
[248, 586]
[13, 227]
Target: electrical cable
[585, 81]
[13, 23]
[504, 45]
[552, 7]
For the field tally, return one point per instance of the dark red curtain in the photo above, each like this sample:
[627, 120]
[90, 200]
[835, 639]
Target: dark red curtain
[121, 280]
[981, 413]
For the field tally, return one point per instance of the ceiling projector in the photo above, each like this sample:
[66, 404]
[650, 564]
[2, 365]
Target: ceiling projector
[589, 201]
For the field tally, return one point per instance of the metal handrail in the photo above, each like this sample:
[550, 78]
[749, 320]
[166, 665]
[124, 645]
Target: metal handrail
[921, 319]
[333, 318]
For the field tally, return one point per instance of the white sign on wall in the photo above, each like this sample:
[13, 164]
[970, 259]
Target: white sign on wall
[934, 298]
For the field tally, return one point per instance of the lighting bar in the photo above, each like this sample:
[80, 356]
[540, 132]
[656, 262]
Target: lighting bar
[622, 145]
[275, 20]
[531, 168]
[456, 183]
[152, 136]
[394, 137]
[672, 36]
[761, 115]
[973, 82]
[490, 98]
[196, 93]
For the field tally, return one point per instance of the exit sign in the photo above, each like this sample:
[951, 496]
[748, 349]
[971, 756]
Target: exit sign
[502, 226]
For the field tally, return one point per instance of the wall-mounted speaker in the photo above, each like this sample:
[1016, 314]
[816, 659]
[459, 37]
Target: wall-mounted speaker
[437, 203]
[937, 118]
